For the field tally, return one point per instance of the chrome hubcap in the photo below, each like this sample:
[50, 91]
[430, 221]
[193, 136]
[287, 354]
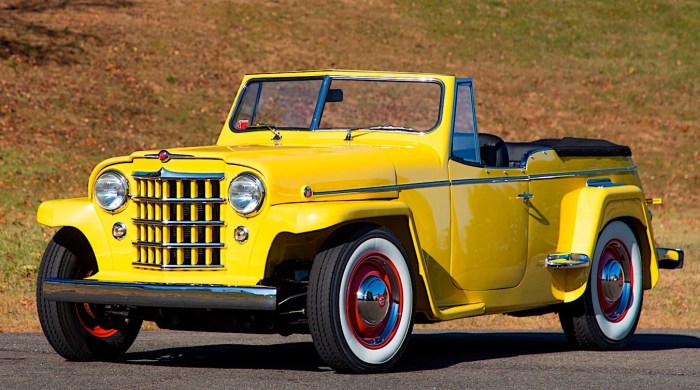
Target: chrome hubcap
[372, 300]
[615, 281]
[612, 280]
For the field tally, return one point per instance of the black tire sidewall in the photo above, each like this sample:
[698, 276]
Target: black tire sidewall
[592, 307]
[341, 355]
[579, 319]
[59, 320]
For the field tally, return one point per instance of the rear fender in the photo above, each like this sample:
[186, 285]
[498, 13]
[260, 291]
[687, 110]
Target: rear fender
[584, 214]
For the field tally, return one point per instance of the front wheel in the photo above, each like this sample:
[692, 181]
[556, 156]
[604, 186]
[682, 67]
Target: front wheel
[360, 302]
[606, 316]
[79, 331]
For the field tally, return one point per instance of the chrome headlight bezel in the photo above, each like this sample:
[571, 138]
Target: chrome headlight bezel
[246, 194]
[111, 191]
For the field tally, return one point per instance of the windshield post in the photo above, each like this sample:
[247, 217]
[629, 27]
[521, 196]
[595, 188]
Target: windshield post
[318, 111]
[257, 102]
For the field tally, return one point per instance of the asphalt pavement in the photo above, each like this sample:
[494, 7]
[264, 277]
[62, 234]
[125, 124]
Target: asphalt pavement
[656, 359]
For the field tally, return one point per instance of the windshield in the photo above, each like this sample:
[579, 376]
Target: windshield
[339, 103]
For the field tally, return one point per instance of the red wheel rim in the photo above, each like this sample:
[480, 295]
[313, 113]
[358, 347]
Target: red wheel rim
[374, 298]
[615, 280]
[89, 321]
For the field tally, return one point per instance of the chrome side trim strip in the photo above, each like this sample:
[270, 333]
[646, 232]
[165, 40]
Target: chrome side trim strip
[562, 175]
[157, 222]
[164, 174]
[430, 184]
[567, 260]
[176, 245]
[493, 180]
[177, 200]
[393, 187]
[501, 179]
[193, 296]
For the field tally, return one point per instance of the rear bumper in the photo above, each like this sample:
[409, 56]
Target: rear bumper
[670, 258]
[192, 296]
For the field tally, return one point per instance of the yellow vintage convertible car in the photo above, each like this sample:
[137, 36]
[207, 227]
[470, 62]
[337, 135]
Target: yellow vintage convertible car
[350, 205]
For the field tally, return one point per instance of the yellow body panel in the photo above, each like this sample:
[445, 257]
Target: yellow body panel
[79, 213]
[478, 246]
[489, 229]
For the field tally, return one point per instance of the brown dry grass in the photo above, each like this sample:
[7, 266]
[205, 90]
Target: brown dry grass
[81, 81]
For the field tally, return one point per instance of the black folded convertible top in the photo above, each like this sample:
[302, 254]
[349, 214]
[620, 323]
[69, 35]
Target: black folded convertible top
[578, 147]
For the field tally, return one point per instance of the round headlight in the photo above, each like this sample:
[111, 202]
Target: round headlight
[246, 193]
[111, 190]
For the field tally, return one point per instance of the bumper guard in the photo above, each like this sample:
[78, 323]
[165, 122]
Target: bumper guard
[670, 258]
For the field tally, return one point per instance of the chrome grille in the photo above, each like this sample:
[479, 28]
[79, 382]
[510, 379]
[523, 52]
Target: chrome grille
[178, 220]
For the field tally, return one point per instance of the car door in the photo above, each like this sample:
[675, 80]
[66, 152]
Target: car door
[489, 208]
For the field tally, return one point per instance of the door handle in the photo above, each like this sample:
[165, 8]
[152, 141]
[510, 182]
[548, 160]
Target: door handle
[525, 196]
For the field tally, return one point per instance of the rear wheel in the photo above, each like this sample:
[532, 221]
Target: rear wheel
[79, 331]
[606, 316]
[360, 302]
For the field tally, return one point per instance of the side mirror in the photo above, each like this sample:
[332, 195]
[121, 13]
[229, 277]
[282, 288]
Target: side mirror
[334, 96]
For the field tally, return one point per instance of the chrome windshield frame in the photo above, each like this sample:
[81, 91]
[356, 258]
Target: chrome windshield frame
[323, 92]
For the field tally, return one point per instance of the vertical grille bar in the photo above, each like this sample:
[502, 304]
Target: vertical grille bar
[166, 218]
[180, 216]
[208, 217]
[193, 217]
[150, 216]
[158, 215]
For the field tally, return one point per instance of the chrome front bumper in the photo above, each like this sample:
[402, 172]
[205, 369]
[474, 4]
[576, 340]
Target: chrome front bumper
[191, 296]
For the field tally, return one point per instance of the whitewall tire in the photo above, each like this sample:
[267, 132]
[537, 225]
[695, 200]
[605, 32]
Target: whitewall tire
[607, 315]
[360, 302]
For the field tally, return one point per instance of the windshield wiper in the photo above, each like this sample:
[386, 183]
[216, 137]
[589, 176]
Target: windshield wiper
[348, 136]
[268, 126]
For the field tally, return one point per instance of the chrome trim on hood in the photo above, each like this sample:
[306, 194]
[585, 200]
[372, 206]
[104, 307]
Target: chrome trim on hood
[164, 174]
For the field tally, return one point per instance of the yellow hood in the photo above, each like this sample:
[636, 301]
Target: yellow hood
[353, 171]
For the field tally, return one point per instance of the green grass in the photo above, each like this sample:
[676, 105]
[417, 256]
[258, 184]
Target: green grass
[84, 81]
[644, 54]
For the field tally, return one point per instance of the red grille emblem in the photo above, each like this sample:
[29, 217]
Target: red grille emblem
[164, 156]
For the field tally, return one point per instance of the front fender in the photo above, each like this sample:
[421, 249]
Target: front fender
[79, 213]
[299, 218]
[584, 214]
[306, 217]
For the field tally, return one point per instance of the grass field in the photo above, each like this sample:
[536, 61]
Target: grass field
[83, 80]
